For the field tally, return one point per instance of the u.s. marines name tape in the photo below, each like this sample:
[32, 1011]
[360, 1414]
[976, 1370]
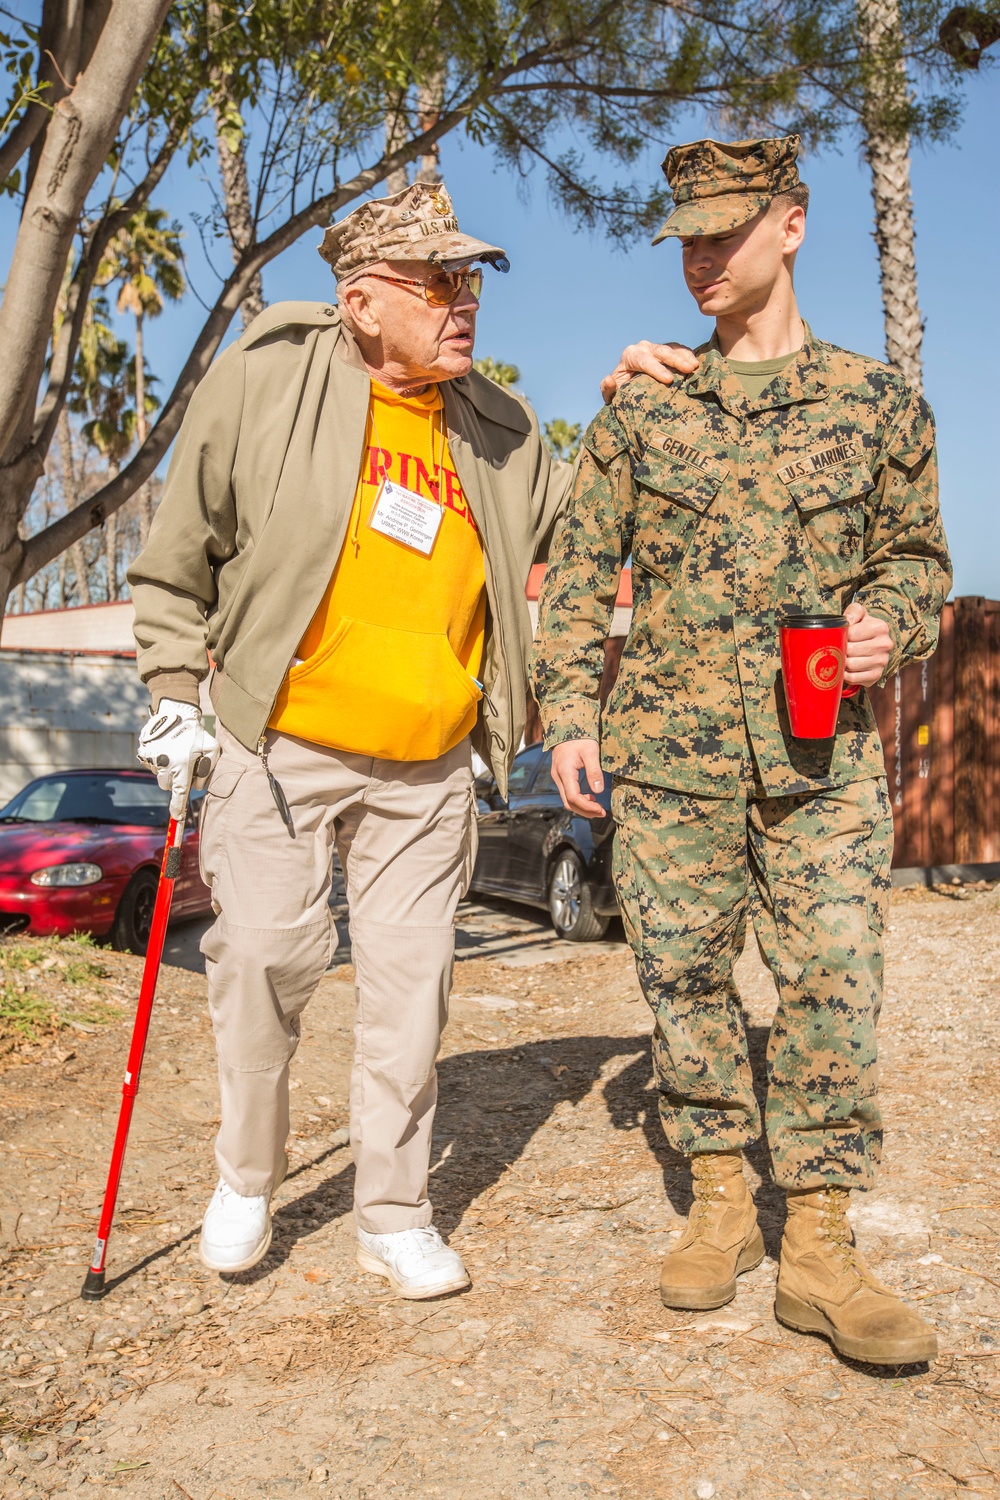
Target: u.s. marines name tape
[814, 463]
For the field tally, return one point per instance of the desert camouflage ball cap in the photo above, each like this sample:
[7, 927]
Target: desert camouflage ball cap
[417, 224]
[719, 186]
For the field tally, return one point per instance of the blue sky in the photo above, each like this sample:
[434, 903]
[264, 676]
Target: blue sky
[571, 300]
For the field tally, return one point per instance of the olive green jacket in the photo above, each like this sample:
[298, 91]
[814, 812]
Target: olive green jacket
[257, 503]
[737, 510]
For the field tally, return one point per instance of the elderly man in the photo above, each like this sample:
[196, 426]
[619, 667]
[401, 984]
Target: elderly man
[784, 475]
[347, 527]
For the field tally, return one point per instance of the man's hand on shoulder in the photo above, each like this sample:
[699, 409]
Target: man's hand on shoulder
[661, 361]
[568, 760]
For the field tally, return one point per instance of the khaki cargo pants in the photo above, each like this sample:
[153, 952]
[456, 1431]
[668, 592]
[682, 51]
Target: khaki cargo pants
[406, 835]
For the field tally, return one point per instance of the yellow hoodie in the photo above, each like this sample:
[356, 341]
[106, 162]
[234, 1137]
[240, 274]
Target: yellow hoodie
[387, 665]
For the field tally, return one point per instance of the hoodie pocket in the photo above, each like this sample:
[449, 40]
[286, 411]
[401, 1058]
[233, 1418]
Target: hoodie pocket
[380, 691]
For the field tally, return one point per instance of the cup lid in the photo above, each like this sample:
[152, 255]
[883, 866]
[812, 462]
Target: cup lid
[812, 622]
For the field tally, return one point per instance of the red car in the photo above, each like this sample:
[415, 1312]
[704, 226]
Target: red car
[80, 851]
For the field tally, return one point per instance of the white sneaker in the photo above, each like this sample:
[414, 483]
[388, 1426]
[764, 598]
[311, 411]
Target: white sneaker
[236, 1231]
[416, 1262]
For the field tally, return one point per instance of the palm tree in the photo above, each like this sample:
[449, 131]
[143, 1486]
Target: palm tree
[886, 136]
[105, 385]
[145, 258]
[563, 439]
[495, 370]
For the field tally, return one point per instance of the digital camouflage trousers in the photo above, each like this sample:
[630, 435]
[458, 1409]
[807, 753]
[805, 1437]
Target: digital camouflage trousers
[811, 872]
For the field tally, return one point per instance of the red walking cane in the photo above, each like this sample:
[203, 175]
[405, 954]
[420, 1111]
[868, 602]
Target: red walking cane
[93, 1286]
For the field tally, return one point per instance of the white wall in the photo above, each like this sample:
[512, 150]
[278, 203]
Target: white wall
[60, 711]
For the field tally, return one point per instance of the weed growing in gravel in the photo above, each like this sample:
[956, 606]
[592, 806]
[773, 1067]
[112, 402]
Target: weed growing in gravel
[34, 977]
[25, 1014]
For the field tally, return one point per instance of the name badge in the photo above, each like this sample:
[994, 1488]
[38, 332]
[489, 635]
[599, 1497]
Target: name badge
[406, 517]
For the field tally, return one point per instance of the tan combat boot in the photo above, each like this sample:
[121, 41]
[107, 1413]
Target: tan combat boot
[721, 1240]
[825, 1287]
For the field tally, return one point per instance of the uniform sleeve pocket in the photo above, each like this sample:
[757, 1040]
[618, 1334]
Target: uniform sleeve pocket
[605, 437]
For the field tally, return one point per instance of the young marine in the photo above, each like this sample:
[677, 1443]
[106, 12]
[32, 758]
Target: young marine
[782, 475]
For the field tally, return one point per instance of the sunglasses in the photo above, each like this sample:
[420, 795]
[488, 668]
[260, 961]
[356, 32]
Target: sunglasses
[442, 289]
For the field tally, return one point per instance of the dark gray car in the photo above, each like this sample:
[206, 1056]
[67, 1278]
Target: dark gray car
[531, 849]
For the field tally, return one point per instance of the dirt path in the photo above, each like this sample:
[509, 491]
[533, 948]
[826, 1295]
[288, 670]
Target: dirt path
[559, 1374]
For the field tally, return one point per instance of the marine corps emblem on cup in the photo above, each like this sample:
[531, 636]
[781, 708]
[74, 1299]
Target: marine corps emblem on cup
[825, 668]
[813, 656]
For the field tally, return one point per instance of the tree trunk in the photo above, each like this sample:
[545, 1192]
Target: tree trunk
[239, 220]
[235, 191]
[429, 97]
[78, 137]
[145, 492]
[111, 545]
[887, 151]
[397, 130]
[59, 60]
[71, 495]
[67, 158]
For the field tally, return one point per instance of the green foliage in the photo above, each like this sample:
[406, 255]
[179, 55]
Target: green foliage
[104, 384]
[17, 59]
[581, 95]
[563, 439]
[503, 375]
[144, 257]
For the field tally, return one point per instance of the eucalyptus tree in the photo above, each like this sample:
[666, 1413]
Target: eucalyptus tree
[579, 91]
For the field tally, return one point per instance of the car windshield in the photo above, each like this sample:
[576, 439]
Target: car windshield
[98, 797]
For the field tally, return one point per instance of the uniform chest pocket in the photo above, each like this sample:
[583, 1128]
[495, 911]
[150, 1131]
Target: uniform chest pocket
[831, 511]
[671, 497]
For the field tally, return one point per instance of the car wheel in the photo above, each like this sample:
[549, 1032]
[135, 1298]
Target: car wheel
[570, 903]
[134, 917]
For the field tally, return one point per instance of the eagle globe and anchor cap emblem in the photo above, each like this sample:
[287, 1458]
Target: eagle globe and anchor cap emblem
[825, 668]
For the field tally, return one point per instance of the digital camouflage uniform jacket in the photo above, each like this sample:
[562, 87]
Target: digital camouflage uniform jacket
[821, 490]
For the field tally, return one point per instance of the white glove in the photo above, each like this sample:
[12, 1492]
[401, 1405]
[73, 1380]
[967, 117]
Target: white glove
[178, 751]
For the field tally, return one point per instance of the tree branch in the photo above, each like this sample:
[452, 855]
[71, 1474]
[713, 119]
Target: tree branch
[58, 60]
[47, 544]
[98, 239]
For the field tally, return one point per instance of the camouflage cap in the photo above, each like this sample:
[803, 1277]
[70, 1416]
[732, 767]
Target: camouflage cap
[417, 224]
[719, 186]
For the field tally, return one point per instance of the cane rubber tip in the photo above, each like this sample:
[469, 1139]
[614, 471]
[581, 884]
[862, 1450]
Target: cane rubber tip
[93, 1288]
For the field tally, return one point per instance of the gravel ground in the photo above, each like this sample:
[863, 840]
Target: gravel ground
[559, 1374]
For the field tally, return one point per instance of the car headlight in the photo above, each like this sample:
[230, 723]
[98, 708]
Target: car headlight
[68, 875]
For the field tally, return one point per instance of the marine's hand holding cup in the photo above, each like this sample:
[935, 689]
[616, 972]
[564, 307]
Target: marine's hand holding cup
[869, 647]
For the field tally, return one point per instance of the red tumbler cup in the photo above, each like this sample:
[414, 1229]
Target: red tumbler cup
[813, 654]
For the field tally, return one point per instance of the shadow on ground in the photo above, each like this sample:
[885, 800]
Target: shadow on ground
[487, 927]
[633, 1102]
[508, 1094]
